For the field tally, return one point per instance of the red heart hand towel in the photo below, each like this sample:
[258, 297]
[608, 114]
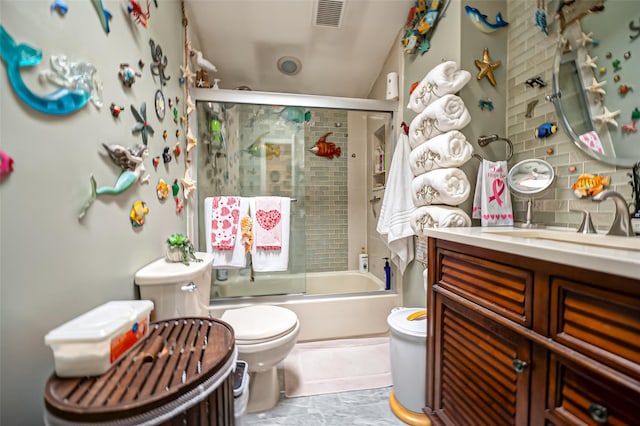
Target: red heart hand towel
[268, 220]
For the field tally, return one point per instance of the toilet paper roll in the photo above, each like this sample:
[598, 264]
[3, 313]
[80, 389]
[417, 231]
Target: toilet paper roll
[392, 86]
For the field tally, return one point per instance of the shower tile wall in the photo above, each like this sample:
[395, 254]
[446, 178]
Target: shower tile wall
[326, 200]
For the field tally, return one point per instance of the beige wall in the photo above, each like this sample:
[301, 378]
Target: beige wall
[376, 248]
[53, 267]
[457, 39]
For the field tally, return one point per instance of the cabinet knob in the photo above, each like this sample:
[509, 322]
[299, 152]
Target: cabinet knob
[519, 365]
[598, 412]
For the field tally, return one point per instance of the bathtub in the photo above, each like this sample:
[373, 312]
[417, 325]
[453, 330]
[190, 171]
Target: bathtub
[336, 304]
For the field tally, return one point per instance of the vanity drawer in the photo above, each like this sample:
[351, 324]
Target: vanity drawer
[501, 288]
[580, 397]
[602, 324]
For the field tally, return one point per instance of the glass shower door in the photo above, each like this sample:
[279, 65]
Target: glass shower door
[253, 150]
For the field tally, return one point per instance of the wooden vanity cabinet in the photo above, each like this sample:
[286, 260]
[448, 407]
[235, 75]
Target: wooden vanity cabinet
[517, 341]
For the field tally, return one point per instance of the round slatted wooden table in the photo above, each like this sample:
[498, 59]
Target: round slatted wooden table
[181, 374]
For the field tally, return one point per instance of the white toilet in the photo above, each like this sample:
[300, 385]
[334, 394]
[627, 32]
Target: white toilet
[264, 336]
[177, 290]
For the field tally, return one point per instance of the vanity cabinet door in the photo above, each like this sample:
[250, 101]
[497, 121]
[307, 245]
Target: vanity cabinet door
[579, 397]
[602, 323]
[482, 370]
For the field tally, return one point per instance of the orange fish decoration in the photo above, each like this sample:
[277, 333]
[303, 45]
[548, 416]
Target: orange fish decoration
[322, 148]
[590, 185]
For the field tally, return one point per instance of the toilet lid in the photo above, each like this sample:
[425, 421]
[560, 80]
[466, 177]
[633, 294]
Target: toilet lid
[259, 322]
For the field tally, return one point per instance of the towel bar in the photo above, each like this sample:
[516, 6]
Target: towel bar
[486, 140]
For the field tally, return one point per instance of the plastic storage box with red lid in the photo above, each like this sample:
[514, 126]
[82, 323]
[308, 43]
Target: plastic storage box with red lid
[91, 343]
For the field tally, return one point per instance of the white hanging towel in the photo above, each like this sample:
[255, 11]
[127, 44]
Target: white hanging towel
[492, 200]
[222, 259]
[397, 206]
[272, 258]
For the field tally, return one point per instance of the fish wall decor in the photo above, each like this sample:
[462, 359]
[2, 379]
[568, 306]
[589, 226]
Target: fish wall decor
[545, 130]
[103, 14]
[481, 22]
[259, 148]
[589, 185]
[6, 165]
[138, 213]
[322, 148]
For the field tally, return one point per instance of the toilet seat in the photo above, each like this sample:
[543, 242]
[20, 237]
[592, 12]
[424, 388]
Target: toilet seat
[260, 323]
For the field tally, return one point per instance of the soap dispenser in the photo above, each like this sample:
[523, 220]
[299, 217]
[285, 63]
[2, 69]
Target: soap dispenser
[387, 274]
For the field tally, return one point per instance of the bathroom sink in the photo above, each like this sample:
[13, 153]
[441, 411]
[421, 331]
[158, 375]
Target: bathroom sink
[600, 240]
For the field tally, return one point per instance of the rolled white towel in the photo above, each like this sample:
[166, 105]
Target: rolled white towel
[440, 186]
[438, 217]
[449, 149]
[443, 79]
[447, 113]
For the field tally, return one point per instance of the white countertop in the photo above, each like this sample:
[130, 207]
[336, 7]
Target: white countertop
[611, 260]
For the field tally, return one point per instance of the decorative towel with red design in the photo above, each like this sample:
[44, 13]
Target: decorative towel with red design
[224, 222]
[492, 201]
[268, 223]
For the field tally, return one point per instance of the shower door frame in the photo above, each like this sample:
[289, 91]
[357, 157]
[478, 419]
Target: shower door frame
[279, 99]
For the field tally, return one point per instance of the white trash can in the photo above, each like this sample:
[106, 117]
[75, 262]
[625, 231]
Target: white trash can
[408, 348]
[240, 391]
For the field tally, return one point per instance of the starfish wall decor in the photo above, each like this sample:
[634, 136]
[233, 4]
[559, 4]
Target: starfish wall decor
[486, 67]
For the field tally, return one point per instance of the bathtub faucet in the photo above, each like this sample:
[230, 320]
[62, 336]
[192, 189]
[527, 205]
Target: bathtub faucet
[622, 220]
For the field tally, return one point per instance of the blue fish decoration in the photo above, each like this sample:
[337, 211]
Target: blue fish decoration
[103, 14]
[60, 6]
[61, 101]
[541, 21]
[480, 20]
[545, 130]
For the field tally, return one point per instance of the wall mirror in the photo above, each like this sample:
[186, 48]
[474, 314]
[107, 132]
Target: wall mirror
[596, 70]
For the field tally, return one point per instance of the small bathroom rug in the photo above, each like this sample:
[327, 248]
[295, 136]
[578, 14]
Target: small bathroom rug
[331, 366]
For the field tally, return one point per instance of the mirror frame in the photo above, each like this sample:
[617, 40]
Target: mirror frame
[533, 192]
[556, 98]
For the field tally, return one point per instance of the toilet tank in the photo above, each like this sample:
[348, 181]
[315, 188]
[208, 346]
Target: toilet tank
[177, 290]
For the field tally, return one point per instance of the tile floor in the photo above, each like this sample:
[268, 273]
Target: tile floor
[366, 407]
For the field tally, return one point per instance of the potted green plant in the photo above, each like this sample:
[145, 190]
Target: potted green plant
[180, 249]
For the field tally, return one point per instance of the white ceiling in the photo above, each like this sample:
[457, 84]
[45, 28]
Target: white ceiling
[245, 38]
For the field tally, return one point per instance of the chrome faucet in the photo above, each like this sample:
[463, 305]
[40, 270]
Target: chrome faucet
[622, 220]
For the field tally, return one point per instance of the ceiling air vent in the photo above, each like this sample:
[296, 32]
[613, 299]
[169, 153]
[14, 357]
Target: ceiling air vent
[328, 13]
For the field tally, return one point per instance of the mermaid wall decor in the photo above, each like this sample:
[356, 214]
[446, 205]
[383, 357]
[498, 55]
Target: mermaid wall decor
[67, 99]
[130, 160]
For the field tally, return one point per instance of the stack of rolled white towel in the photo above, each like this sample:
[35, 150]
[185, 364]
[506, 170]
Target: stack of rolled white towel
[438, 149]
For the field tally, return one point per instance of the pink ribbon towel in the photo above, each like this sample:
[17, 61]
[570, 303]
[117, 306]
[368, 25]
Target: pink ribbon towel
[224, 222]
[492, 201]
[268, 218]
